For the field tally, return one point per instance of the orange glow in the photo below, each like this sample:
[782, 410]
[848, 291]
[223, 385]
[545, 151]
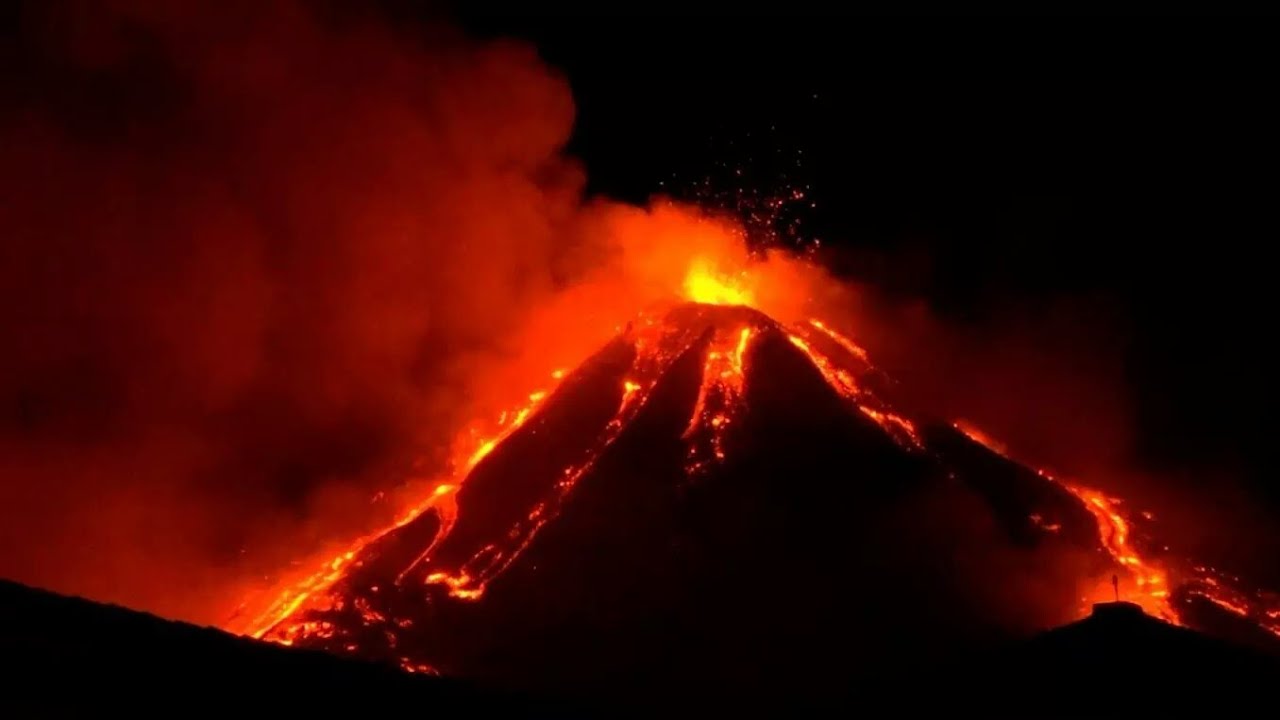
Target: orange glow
[895, 425]
[308, 590]
[981, 438]
[844, 342]
[335, 313]
[838, 378]
[1226, 603]
[470, 581]
[467, 583]
[714, 270]
[704, 285]
[842, 381]
[1150, 582]
[720, 394]
[509, 421]
[1147, 581]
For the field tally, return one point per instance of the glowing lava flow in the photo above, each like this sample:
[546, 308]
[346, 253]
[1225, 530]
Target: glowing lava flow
[298, 613]
[850, 346]
[286, 621]
[838, 378]
[719, 397]
[300, 591]
[1218, 588]
[1150, 584]
[836, 374]
[469, 582]
[1151, 581]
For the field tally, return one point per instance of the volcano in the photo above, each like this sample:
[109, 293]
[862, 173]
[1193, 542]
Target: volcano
[717, 500]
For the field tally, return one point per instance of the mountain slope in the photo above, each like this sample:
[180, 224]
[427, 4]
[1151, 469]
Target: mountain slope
[714, 499]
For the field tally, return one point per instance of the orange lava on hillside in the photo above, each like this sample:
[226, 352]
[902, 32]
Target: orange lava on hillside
[711, 268]
[297, 593]
[719, 398]
[1148, 581]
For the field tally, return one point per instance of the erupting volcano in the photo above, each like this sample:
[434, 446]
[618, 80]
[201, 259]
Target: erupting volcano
[715, 493]
[394, 339]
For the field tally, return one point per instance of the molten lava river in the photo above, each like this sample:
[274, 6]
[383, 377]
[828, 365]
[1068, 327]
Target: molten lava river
[454, 543]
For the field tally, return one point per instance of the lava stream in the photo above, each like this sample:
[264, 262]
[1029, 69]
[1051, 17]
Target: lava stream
[845, 368]
[654, 354]
[299, 592]
[1149, 578]
[840, 379]
[719, 397]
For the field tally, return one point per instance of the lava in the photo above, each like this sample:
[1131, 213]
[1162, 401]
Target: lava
[298, 592]
[719, 397]
[850, 346]
[1149, 581]
[654, 354]
[469, 583]
[842, 380]
[297, 612]
[838, 378]
[704, 284]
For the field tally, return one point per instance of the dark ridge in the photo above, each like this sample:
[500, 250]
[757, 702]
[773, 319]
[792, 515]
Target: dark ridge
[1012, 491]
[61, 651]
[1121, 658]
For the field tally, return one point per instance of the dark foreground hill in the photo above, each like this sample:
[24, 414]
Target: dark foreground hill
[60, 652]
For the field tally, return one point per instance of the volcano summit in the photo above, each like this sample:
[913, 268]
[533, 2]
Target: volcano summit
[716, 499]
